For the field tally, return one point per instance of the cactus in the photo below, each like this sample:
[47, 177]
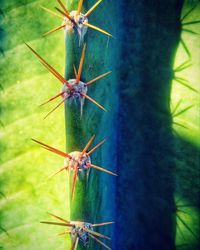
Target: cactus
[151, 125]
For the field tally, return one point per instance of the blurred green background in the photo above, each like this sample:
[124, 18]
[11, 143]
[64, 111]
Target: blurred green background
[26, 192]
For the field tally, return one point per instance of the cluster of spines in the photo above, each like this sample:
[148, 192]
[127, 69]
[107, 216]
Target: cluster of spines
[69, 91]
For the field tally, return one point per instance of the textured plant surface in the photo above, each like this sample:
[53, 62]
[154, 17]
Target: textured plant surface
[25, 190]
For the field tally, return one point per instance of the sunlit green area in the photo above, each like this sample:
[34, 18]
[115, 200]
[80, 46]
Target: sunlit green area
[187, 122]
[185, 106]
[187, 224]
[26, 192]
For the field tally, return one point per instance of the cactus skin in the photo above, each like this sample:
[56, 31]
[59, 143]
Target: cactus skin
[146, 140]
[137, 107]
[93, 197]
[74, 123]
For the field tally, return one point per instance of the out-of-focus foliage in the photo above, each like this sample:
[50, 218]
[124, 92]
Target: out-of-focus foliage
[187, 123]
[26, 193]
[185, 106]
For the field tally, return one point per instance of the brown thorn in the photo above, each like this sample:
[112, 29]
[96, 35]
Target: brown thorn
[103, 224]
[87, 146]
[63, 6]
[52, 12]
[101, 169]
[97, 78]
[100, 242]
[57, 106]
[53, 30]
[94, 148]
[59, 218]
[92, 8]
[52, 98]
[98, 29]
[81, 64]
[92, 100]
[80, 4]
